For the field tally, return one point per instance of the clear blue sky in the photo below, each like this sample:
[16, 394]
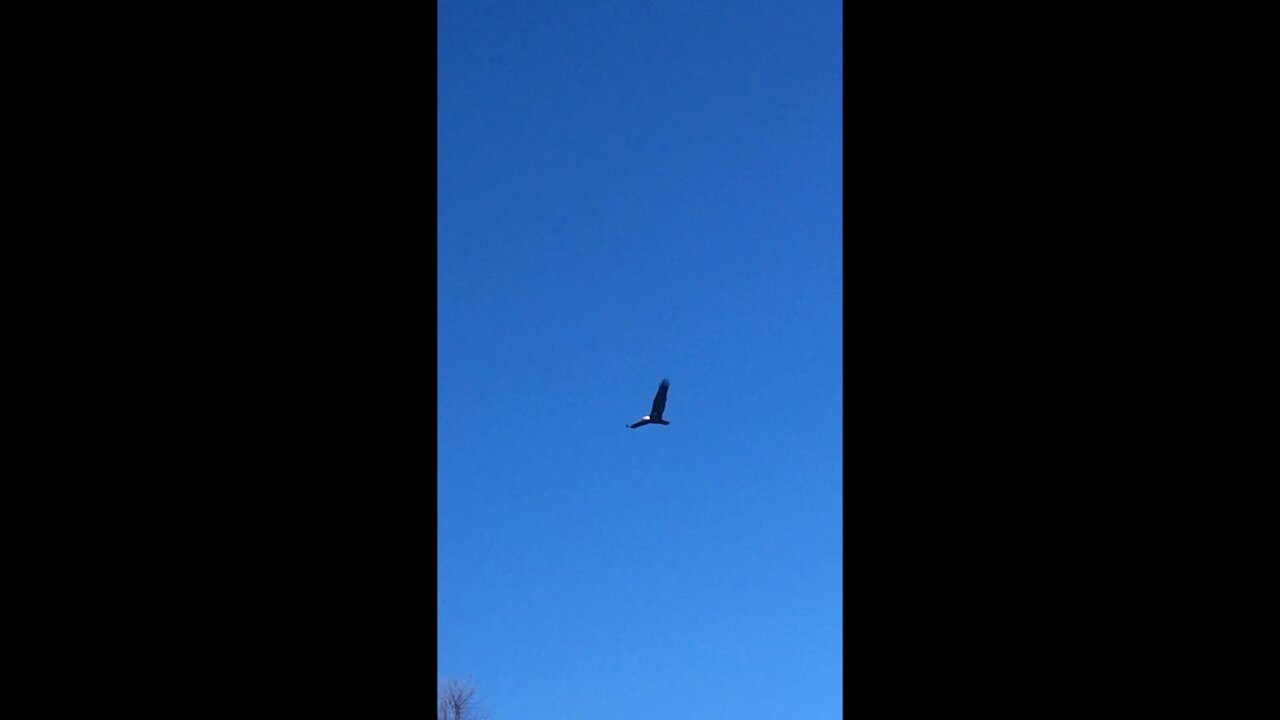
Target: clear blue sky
[630, 191]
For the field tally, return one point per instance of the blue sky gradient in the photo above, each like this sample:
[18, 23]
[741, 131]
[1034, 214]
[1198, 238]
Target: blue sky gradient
[627, 192]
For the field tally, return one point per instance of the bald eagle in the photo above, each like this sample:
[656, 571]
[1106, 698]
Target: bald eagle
[659, 404]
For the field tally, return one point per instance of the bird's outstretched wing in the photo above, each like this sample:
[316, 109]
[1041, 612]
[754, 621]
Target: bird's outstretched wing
[638, 423]
[660, 400]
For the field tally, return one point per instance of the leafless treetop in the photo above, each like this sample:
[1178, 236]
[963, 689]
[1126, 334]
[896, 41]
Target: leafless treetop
[457, 701]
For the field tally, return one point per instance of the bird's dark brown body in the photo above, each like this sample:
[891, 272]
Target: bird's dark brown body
[659, 405]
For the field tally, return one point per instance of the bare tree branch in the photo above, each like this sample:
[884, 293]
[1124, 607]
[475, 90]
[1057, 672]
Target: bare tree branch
[457, 701]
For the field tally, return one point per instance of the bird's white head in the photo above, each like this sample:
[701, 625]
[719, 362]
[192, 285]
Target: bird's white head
[646, 417]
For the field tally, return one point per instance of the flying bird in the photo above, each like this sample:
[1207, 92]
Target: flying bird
[659, 404]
